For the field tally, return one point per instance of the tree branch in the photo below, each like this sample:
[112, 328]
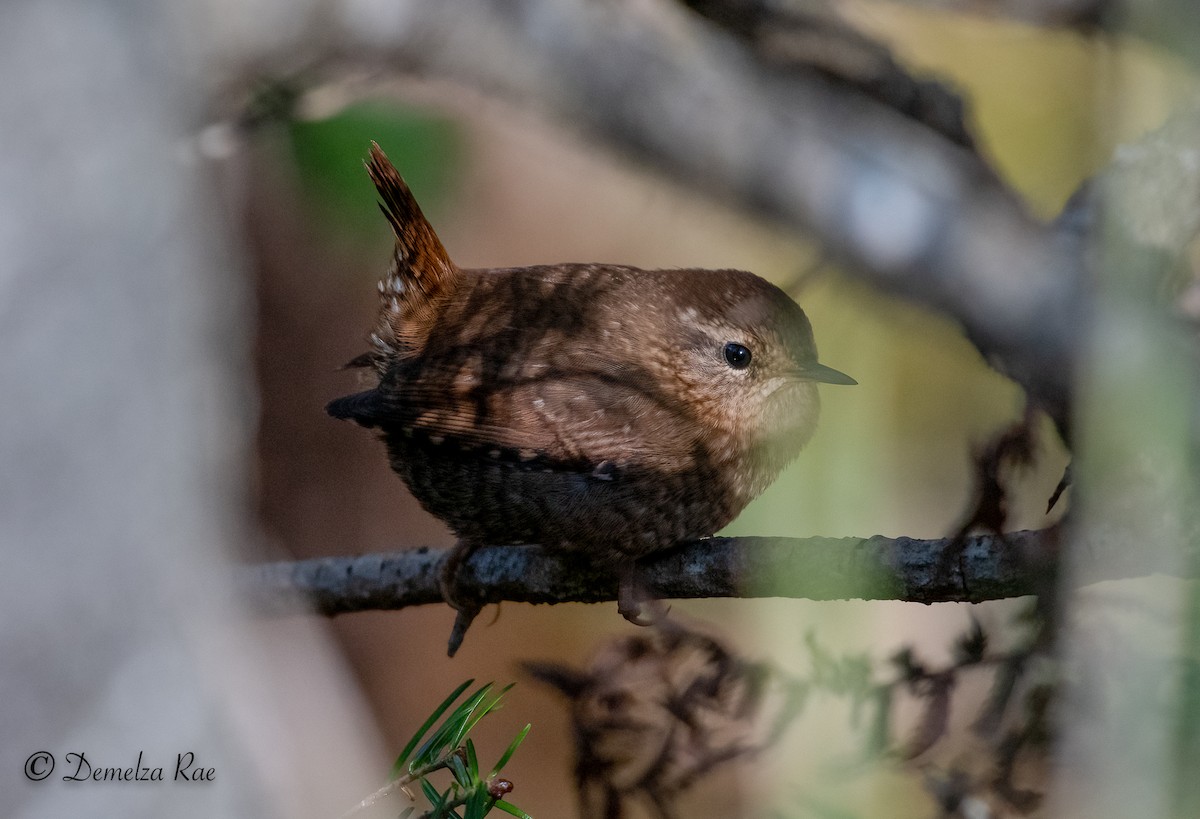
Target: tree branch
[985, 567]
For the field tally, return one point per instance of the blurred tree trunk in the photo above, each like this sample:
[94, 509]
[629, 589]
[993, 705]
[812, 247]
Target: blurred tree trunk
[126, 405]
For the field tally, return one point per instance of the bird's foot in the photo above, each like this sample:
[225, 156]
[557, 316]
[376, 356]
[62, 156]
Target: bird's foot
[448, 586]
[462, 622]
[634, 601]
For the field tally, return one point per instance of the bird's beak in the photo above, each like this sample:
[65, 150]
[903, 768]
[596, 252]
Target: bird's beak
[823, 374]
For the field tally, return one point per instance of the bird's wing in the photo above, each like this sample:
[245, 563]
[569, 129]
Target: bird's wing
[581, 420]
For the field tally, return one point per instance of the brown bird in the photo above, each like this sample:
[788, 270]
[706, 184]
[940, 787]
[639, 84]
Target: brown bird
[595, 408]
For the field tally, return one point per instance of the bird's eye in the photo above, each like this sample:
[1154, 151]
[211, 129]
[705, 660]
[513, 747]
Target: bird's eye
[737, 355]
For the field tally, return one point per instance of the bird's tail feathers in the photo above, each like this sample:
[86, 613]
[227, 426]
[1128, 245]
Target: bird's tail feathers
[421, 274]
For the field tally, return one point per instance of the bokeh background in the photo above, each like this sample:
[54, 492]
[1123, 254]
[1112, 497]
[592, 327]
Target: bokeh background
[893, 456]
[316, 710]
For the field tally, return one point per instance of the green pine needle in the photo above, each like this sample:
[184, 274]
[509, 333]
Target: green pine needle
[512, 809]
[398, 767]
[477, 804]
[431, 794]
[472, 760]
[449, 747]
[459, 769]
[512, 749]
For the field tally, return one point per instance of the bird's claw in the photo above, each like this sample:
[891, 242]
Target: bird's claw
[448, 586]
[462, 622]
[635, 604]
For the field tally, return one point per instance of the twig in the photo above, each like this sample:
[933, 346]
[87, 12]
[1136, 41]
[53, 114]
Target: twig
[399, 783]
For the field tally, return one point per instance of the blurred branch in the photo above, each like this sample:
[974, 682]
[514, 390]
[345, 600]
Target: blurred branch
[910, 210]
[1081, 14]
[1152, 187]
[985, 567]
[811, 37]
[1146, 203]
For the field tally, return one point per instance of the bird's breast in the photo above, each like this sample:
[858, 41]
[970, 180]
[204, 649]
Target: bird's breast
[497, 495]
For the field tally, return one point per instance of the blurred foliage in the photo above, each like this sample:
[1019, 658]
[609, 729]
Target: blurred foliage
[425, 147]
[655, 715]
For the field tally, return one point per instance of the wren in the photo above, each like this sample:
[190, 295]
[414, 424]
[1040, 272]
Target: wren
[595, 408]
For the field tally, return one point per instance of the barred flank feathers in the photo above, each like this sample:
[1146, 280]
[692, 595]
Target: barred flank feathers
[421, 274]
